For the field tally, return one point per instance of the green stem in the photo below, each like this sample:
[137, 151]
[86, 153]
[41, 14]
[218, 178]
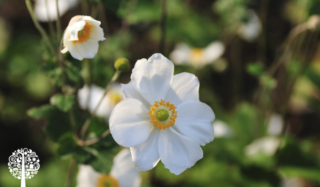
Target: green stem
[58, 21]
[40, 29]
[71, 172]
[163, 27]
[51, 29]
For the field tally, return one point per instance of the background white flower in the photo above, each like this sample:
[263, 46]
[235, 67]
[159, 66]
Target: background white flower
[183, 54]
[266, 145]
[82, 36]
[123, 173]
[45, 12]
[221, 129]
[90, 97]
[250, 30]
[161, 117]
[275, 125]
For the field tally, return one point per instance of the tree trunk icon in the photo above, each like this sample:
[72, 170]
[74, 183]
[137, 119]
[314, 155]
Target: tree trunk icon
[24, 164]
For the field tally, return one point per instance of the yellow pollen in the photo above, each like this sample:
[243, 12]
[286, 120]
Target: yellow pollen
[162, 105]
[107, 181]
[84, 34]
[196, 55]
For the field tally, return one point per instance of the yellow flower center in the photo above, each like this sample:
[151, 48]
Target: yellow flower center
[115, 97]
[196, 55]
[107, 181]
[84, 34]
[163, 114]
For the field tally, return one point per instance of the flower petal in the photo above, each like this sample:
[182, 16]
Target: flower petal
[153, 77]
[130, 91]
[146, 155]
[73, 50]
[184, 87]
[124, 170]
[87, 176]
[178, 152]
[88, 49]
[130, 123]
[194, 121]
[74, 29]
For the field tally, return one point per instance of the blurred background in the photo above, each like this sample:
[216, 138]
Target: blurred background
[258, 62]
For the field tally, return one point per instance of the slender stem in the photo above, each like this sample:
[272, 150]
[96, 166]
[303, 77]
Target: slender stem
[163, 27]
[88, 121]
[51, 29]
[58, 21]
[72, 167]
[40, 29]
[94, 140]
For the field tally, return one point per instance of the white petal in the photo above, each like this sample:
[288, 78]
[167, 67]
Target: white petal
[88, 49]
[184, 87]
[64, 50]
[130, 91]
[275, 125]
[124, 171]
[251, 30]
[74, 29]
[194, 121]
[146, 155]
[178, 152]
[266, 145]
[83, 95]
[221, 129]
[153, 77]
[181, 54]
[87, 176]
[213, 52]
[73, 50]
[130, 123]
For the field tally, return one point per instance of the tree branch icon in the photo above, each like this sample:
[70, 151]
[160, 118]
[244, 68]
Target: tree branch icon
[24, 164]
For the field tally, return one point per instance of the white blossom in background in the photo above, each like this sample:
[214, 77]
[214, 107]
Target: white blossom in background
[46, 11]
[197, 57]
[123, 174]
[89, 98]
[266, 145]
[161, 117]
[275, 125]
[81, 37]
[221, 129]
[250, 31]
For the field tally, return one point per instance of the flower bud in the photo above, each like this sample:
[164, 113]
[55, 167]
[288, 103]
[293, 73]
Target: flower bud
[122, 64]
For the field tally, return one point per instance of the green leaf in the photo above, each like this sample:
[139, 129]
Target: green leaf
[63, 102]
[57, 122]
[103, 159]
[69, 148]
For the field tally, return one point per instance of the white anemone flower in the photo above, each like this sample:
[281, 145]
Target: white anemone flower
[267, 146]
[89, 98]
[82, 37]
[45, 10]
[221, 129]
[123, 174]
[250, 30]
[292, 182]
[197, 57]
[275, 125]
[161, 117]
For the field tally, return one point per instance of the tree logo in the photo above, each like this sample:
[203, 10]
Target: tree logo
[24, 164]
